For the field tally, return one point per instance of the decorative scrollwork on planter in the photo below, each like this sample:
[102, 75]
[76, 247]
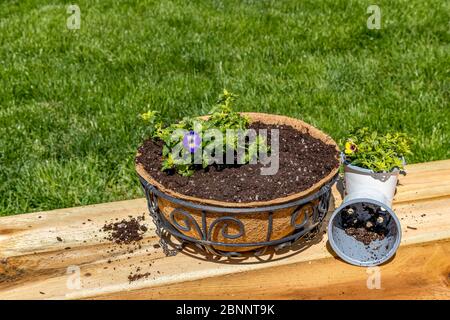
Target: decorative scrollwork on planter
[188, 220]
[306, 210]
[152, 203]
[224, 230]
[181, 224]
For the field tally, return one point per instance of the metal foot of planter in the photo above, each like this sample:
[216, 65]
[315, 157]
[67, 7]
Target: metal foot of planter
[180, 221]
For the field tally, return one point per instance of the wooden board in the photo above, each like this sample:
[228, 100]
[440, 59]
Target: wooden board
[34, 264]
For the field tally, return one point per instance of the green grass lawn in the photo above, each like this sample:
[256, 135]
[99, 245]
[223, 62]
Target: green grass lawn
[69, 99]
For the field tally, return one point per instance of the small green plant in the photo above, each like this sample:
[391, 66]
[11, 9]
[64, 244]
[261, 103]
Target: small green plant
[380, 153]
[222, 118]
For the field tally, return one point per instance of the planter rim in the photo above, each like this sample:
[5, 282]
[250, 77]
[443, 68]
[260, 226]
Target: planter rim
[356, 262]
[269, 119]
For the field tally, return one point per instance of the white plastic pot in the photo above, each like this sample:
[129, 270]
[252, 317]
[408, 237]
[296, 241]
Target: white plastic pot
[364, 183]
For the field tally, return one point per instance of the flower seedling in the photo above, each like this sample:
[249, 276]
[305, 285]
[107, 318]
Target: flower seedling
[193, 134]
[379, 153]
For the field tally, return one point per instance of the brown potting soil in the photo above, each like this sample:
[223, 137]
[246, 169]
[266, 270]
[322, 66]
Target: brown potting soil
[363, 235]
[365, 222]
[125, 231]
[129, 234]
[303, 161]
[137, 276]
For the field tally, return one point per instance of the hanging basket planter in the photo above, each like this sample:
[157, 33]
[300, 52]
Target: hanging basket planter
[230, 228]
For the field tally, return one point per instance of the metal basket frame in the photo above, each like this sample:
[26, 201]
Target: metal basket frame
[308, 228]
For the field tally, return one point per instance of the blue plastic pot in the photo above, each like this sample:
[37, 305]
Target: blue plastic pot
[355, 252]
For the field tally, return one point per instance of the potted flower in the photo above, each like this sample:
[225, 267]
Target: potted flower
[234, 182]
[364, 230]
[372, 163]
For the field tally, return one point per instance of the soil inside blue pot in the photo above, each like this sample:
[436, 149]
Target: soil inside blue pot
[365, 222]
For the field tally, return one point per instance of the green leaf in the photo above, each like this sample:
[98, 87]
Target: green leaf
[379, 152]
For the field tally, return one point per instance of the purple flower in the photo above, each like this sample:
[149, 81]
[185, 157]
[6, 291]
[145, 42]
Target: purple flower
[191, 141]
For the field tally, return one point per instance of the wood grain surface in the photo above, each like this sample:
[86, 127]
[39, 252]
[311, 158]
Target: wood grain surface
[62, 254]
